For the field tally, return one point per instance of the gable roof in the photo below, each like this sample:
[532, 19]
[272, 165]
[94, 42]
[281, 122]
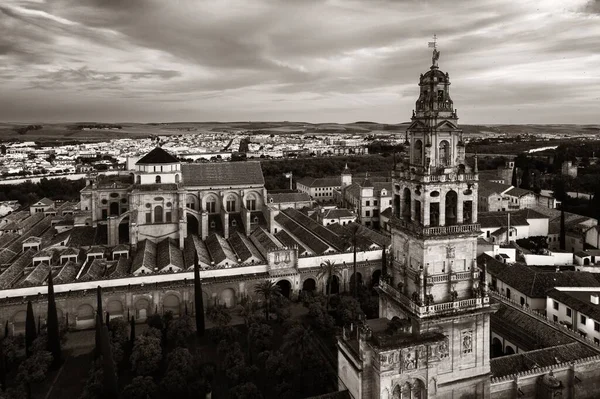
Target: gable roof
[44, 202]
[578, 300]
[337, 213]
[321, 181]
[532, 282]
[500, 219]
[222, 174]
[278, 198]
[157, 155]
[487, 188]
[518, 192]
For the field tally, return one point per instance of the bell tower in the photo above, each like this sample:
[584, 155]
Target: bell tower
[434, 285]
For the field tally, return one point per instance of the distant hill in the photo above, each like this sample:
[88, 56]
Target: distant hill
[93, 132]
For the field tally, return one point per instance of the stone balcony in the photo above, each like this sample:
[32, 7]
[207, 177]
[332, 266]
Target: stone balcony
[431, 231]
[453, 276]
[437, 176]
[436, 309]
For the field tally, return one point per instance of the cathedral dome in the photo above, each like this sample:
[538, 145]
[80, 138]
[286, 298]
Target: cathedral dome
[434, 75]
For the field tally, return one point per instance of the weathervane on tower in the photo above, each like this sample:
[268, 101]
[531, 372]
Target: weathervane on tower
[436, 53]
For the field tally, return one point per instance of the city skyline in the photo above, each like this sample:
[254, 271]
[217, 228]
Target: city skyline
[313, 61]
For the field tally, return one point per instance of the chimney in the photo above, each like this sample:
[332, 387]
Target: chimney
[595, 299]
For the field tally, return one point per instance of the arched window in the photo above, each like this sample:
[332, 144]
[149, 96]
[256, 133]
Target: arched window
[251, 202]
[177, 178]
[444, 153]
[418, 153]
[451, 208]
[138, 179]
[406, 204]
[211, 205]
[157, 179]
[230, 205]
[158, 214]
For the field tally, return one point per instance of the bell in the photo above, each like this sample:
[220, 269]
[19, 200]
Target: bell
[451, 213]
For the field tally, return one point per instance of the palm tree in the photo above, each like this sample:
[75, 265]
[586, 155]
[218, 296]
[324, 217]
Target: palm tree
[296, 345]
[353, 230]
[268, 289]
[328, 270]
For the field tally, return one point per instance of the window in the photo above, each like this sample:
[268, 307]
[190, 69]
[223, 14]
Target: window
[158, 214]
[177, 178]
[157, 179]
[555, 318]
[168, 217]
[390, 202]
[582, 319]
[522, 301]
[508, 293]
[230, 206]
[596, 326]
[212, 224]
[375, 212]
[367, 203]
[375, 203]
[367, 213]
[568, 312]
[148, 217]
[251, 204]
[555, 305]
[233, 223]
[440, 95]
[597, 341]
[211, 205]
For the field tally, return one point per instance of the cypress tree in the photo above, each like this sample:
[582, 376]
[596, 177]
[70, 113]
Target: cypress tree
[526, 179]
[110, 385]
[514, 181]
[52, 324]
[98, 320]
[198, 302]
[30, 331]
[563, 236]
[383, 262]
[132, 331]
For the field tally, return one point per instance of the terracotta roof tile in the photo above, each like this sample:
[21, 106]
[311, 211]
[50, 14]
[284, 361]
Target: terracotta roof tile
[222, 174]
[157, 156]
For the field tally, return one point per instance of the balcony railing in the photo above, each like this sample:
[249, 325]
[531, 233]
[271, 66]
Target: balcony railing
[434, 309]
[429, 231]
[417, 175]
[452, 276]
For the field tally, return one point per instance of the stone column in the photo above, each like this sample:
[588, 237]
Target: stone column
[426, 208]
[442, 207]
[204, 225]
[459, 206]
[474, 206]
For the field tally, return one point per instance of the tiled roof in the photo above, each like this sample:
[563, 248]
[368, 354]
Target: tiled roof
[97, 250]
[67, 273]
[578, 300]
[367, 183]
[7, 238]
[168, 254]
[83, 236]
[6, 255]
[120, 248]
[15, 271]
[243, 247]
[121, 269]
[321, 181]
[37, 276]
[519, 192]
[44, 202]
[487, 188]
[553, 356]
[318, 229]
[526, 329]
[500, 219]
[532, 282]
[261, 221]
[382, 185]
[70, 251]
[94, 270]
[311, 241]
[529, 213]
[264, 241]
[219, 249]
[387, 213]
[222, 174]
[145, 257]
[202, 251]
[290, 242]
[337, 213]
[287, 197]
[157, 156]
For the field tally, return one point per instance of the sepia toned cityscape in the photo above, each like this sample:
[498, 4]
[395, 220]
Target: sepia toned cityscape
[275, 199]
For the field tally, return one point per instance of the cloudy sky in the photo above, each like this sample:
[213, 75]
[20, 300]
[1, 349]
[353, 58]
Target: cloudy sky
[517, 61]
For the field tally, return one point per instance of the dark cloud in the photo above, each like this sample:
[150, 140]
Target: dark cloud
[309, 59]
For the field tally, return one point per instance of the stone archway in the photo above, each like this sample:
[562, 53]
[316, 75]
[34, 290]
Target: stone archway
[375, 277]
[227, 298]
[360, 280]
[496, 348]
[85, 316]
[285, 288]
[334, 285]
[19, 322]
[114, 307]
[142, 307]
[309, 285]
[171, 304]
[509, 350]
